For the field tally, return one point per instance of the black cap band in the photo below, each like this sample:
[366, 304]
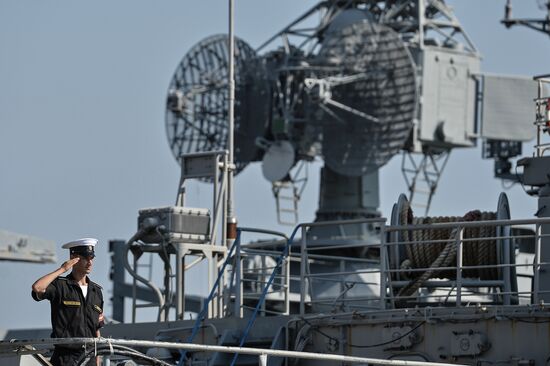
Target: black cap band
[84, 250]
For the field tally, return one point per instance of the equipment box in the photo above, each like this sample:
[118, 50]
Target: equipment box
[175, 224]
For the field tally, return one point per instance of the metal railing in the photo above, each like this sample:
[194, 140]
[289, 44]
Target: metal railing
[256, 266]
[204, 312]
[331, 281]
[480, 282]
[253, 265]
[282, 258]
[109, 348]
[360, 282]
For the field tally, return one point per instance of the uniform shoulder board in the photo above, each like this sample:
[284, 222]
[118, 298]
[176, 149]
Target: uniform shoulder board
[62, 278]
[95, 284]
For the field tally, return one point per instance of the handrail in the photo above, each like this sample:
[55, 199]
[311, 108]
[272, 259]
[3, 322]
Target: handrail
[468, 224]
[264, 292]
[204, 310]
[92, 342]
[262, 231]
[279, 263]
[456, 285]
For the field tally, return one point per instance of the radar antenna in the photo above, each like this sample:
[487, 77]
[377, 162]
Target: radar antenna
[541, 25]
[197, 102]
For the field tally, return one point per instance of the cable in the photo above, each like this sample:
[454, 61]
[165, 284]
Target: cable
[507, 186]
[527, 321]
[120, 351]
[391, 341]
[155, 289]
[319, 331]
[426, 357]
[167, 268]
[367, 345]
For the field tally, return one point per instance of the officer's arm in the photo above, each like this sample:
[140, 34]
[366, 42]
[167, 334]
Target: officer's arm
[40, 286]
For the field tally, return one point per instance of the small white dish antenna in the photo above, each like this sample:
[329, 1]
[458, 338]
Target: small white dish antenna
[278, 160]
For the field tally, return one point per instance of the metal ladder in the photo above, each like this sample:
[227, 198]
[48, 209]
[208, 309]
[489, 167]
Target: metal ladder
[287, 194]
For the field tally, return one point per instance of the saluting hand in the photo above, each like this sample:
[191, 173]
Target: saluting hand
[43, 282]
[69, 264]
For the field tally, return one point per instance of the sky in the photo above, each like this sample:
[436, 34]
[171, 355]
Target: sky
[82, 137]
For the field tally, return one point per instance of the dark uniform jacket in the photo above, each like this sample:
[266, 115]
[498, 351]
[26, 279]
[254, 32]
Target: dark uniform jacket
[72, 314]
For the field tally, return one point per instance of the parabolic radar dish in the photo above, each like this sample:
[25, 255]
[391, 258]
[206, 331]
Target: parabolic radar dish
[197, 102]
[368, 96]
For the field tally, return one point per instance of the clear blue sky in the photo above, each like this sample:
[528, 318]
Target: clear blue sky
[82, 138]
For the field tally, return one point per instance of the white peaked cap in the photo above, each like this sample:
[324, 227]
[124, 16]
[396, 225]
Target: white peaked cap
[87, 242]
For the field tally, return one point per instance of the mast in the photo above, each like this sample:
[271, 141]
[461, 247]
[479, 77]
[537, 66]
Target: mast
[231, 220]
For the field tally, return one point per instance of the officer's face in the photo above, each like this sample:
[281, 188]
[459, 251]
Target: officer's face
[84, 265]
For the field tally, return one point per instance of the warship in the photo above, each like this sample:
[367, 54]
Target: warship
[354, 82]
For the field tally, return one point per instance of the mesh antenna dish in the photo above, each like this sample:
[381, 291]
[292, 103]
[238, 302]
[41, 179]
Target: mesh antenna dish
[198, 99]
[367, 100]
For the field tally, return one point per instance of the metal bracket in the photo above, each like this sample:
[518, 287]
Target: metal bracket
[422, 173]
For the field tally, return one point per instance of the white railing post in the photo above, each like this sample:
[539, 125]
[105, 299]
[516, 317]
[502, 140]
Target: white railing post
[383, 267]
[287, 280]
[263, 281]
[263, 360]
[459, 248]
[303, 263]
[505, 245]
[536, 264]
[239, 281]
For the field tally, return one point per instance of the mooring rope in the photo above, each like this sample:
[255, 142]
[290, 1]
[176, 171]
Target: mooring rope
[436, 248]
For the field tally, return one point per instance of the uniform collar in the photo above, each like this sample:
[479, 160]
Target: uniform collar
[71, 279]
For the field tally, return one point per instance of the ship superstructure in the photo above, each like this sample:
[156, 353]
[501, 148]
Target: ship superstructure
[369, 80]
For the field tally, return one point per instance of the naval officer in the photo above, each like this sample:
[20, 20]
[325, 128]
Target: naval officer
[76, 301]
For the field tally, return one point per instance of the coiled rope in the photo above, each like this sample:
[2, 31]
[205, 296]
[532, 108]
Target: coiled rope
[435, 248]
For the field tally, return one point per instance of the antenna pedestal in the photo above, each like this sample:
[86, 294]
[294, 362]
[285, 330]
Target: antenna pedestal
[348, 197]
[345, 198]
